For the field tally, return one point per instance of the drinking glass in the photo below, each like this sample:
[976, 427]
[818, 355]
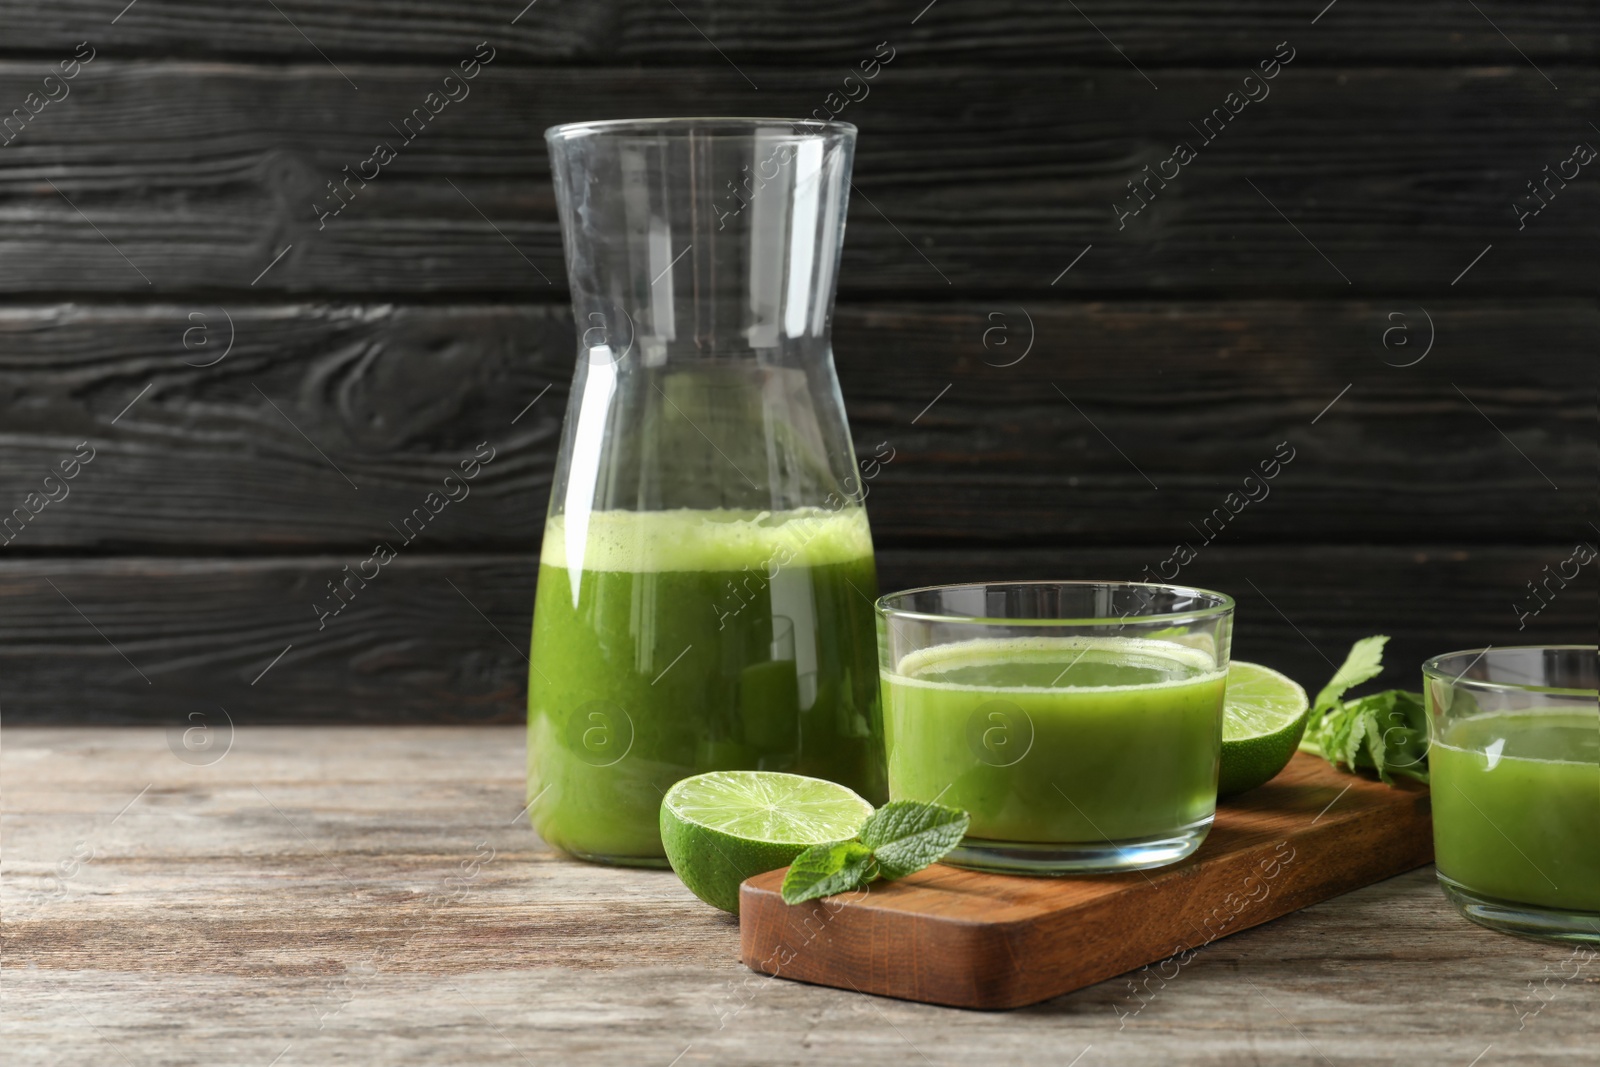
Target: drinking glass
[1514, 763]
[1078, 723]
[705, 579]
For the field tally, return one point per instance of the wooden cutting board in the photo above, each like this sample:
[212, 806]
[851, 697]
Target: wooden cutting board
[975, 940]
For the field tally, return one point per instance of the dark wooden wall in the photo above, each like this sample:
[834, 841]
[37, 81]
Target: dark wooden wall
[164, 209]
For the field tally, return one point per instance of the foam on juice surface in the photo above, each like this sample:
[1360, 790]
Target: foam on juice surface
[1191, 665]
[687, 539]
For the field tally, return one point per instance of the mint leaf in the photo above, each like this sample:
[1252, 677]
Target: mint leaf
[823, 870]
[907, 835]
[898, 839]
[1363, 663]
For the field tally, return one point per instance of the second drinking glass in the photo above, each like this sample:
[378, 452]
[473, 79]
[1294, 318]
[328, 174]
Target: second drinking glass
[1078, 723]
[1515, 767]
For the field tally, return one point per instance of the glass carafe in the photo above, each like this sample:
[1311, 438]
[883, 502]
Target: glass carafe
[706, 578]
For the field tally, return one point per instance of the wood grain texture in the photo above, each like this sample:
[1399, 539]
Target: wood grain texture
[969, 939]
[321, 426]
[442, 638]
[1132, 423]
[1052, 423]
[330, 895]
[969, 179]
[784, 32]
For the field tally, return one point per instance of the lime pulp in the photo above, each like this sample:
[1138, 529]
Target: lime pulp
[722, 827]
[1264, 716]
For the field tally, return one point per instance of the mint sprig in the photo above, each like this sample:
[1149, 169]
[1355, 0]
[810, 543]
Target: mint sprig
[1385, 733]
[898, 839]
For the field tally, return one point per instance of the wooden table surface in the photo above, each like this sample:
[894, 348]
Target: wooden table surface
[370, 895]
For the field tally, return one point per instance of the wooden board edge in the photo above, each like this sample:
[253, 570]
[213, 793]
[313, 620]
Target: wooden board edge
[775, 937]
[1405, 843]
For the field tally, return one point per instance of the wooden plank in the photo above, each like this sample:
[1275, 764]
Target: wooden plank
[772, 33]
[1131, 424]
[311, 885]
[156, 639]
[322, 425]
[441, 638]
[1193, 396]
[970, 939]
[197, 176]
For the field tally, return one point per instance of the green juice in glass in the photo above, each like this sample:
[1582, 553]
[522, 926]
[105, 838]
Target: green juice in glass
[1516, 807]
[669, 643]
[1058, 740]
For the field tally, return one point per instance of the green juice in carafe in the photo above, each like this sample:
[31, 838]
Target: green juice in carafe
[670, 643]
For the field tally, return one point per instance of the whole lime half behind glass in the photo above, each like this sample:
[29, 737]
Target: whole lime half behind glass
[1264, 716]
[725, 826]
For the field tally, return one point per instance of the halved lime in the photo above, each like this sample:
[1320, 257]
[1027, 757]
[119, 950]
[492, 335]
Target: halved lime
[722, 827]
[1263, 717]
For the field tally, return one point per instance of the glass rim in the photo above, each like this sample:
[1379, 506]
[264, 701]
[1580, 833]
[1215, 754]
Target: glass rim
[1432, 668]
[731, 126]
[1224, 605]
